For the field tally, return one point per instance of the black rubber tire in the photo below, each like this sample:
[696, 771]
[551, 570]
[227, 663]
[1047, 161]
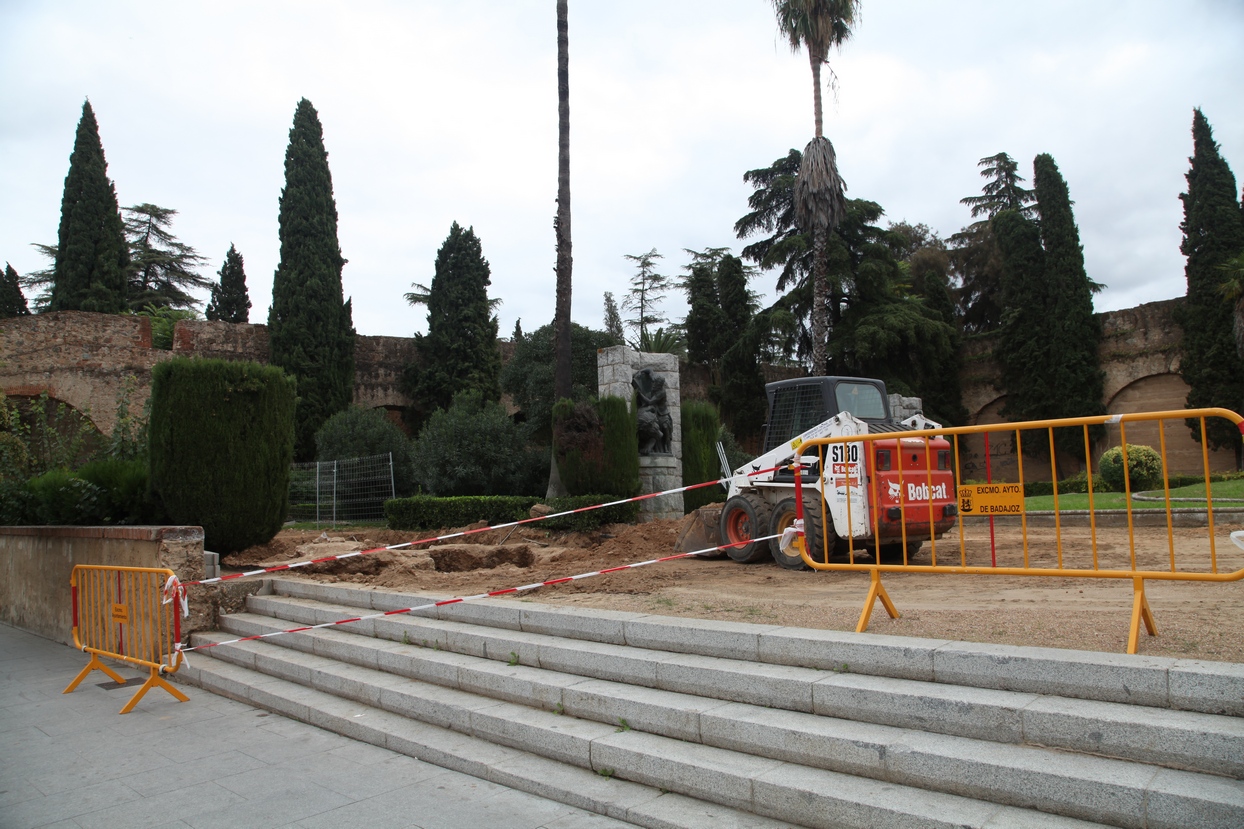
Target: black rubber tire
[893, 553]
[783, 517]
[746, 516]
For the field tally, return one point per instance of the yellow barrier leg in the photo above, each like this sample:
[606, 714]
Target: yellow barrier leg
[875, 591]
[91, 666]
[152, 681]
[1140, 612]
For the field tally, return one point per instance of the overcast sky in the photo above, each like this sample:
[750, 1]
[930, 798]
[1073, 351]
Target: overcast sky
[436, 112]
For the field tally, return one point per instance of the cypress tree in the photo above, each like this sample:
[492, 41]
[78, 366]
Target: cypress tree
[1213, 233]
[1023, 347]
[91, 253]
[230, 301]
[310, 328]
[613, 320]
[459, 352]
[221, 443]
[737, 305]
[705, 319]
[12, 301]
[1074, 334]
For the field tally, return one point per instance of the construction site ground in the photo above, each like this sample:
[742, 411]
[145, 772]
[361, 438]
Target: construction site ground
[1195, 620]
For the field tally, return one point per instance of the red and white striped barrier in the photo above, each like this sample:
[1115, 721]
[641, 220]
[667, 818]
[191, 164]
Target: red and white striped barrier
[464, 533]
[489, 595]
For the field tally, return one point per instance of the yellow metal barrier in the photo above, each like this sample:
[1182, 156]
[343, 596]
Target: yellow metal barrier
[121, 612]
[1007, 499]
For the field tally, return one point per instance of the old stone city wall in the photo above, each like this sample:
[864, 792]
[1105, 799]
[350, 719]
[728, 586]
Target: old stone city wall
[83, 359]
[1139, 354]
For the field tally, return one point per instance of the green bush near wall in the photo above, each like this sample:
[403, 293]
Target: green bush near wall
[222, 440]
[701, 426]
[620, 435]
[1144, 468]
[427, 512]
[597, 446]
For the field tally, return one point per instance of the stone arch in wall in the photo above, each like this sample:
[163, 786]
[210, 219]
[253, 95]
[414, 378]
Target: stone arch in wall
[1163, 392]
[1004, 465]
[60, 416]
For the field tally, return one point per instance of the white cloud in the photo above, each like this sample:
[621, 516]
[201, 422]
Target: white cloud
[438, 112]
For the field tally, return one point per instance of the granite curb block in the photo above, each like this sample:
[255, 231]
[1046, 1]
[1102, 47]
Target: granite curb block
[1072, 785]
[547, 668]
[652, 766]
[1208, 687]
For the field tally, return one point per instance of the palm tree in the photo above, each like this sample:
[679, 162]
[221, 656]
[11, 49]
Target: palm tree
[1233, 291]
[561, 229]
[820, 204]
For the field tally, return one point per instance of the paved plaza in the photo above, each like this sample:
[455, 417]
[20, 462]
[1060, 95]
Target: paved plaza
[71, 761]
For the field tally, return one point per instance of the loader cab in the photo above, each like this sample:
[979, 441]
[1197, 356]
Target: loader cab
[795, 406]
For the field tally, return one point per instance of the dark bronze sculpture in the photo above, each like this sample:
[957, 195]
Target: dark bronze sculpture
[656, 425]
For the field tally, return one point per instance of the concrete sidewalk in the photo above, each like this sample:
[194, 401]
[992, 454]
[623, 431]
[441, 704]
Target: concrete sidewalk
[73, 761]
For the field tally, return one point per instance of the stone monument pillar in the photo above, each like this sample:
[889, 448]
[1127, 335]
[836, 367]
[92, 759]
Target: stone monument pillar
[617, 370]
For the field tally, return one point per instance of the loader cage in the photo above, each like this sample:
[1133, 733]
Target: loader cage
[1059, 553]
[795, 406]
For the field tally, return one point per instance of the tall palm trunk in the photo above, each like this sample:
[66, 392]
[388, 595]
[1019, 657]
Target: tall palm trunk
[561, 226]
[561, 326]
[816, 60]
[820, 246]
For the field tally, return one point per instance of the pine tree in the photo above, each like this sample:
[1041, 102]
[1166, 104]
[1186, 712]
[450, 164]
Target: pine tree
[1213, 235]
[459, 352]
[161, 266]
[12, 301]
[645, 295]
[1074, 332]
[975, 253]
[310, 328]
[91, 254]
[613, 320]
[230, 301]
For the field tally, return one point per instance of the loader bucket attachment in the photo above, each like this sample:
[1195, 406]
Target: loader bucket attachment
[700, 531]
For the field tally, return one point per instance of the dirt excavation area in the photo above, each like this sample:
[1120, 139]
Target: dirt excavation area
[1194, 620]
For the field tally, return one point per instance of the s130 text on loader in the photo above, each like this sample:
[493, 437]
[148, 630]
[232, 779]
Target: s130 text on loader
[908, 478]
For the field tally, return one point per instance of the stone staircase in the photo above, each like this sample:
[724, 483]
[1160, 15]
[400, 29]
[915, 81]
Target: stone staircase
[671, 722]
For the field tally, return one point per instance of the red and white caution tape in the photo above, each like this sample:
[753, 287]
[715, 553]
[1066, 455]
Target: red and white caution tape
[174, 592]
[464, 533]
[489, 595]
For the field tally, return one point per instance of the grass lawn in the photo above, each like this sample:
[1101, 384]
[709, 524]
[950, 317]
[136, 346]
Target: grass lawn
[1221, 490]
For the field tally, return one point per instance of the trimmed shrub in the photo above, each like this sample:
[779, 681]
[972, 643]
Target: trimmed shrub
[1144, 468]
[620, 435]
[578, 445]
[14, 503]
[473, 448]
[700, 428]
[123, 487]
[597, 446]
[358, 433]
[222, 440]
[425, 512]
[1067, 486]
[59, 497]
[14, 458]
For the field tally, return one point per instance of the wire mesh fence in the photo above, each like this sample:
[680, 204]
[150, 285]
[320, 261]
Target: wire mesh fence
[332, 492]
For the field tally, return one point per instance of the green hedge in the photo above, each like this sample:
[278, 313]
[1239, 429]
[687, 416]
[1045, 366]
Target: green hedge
[1078, 483]
[597, 446]
[620, 435]
[701, 426]
[427, 512]
[222, 440]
